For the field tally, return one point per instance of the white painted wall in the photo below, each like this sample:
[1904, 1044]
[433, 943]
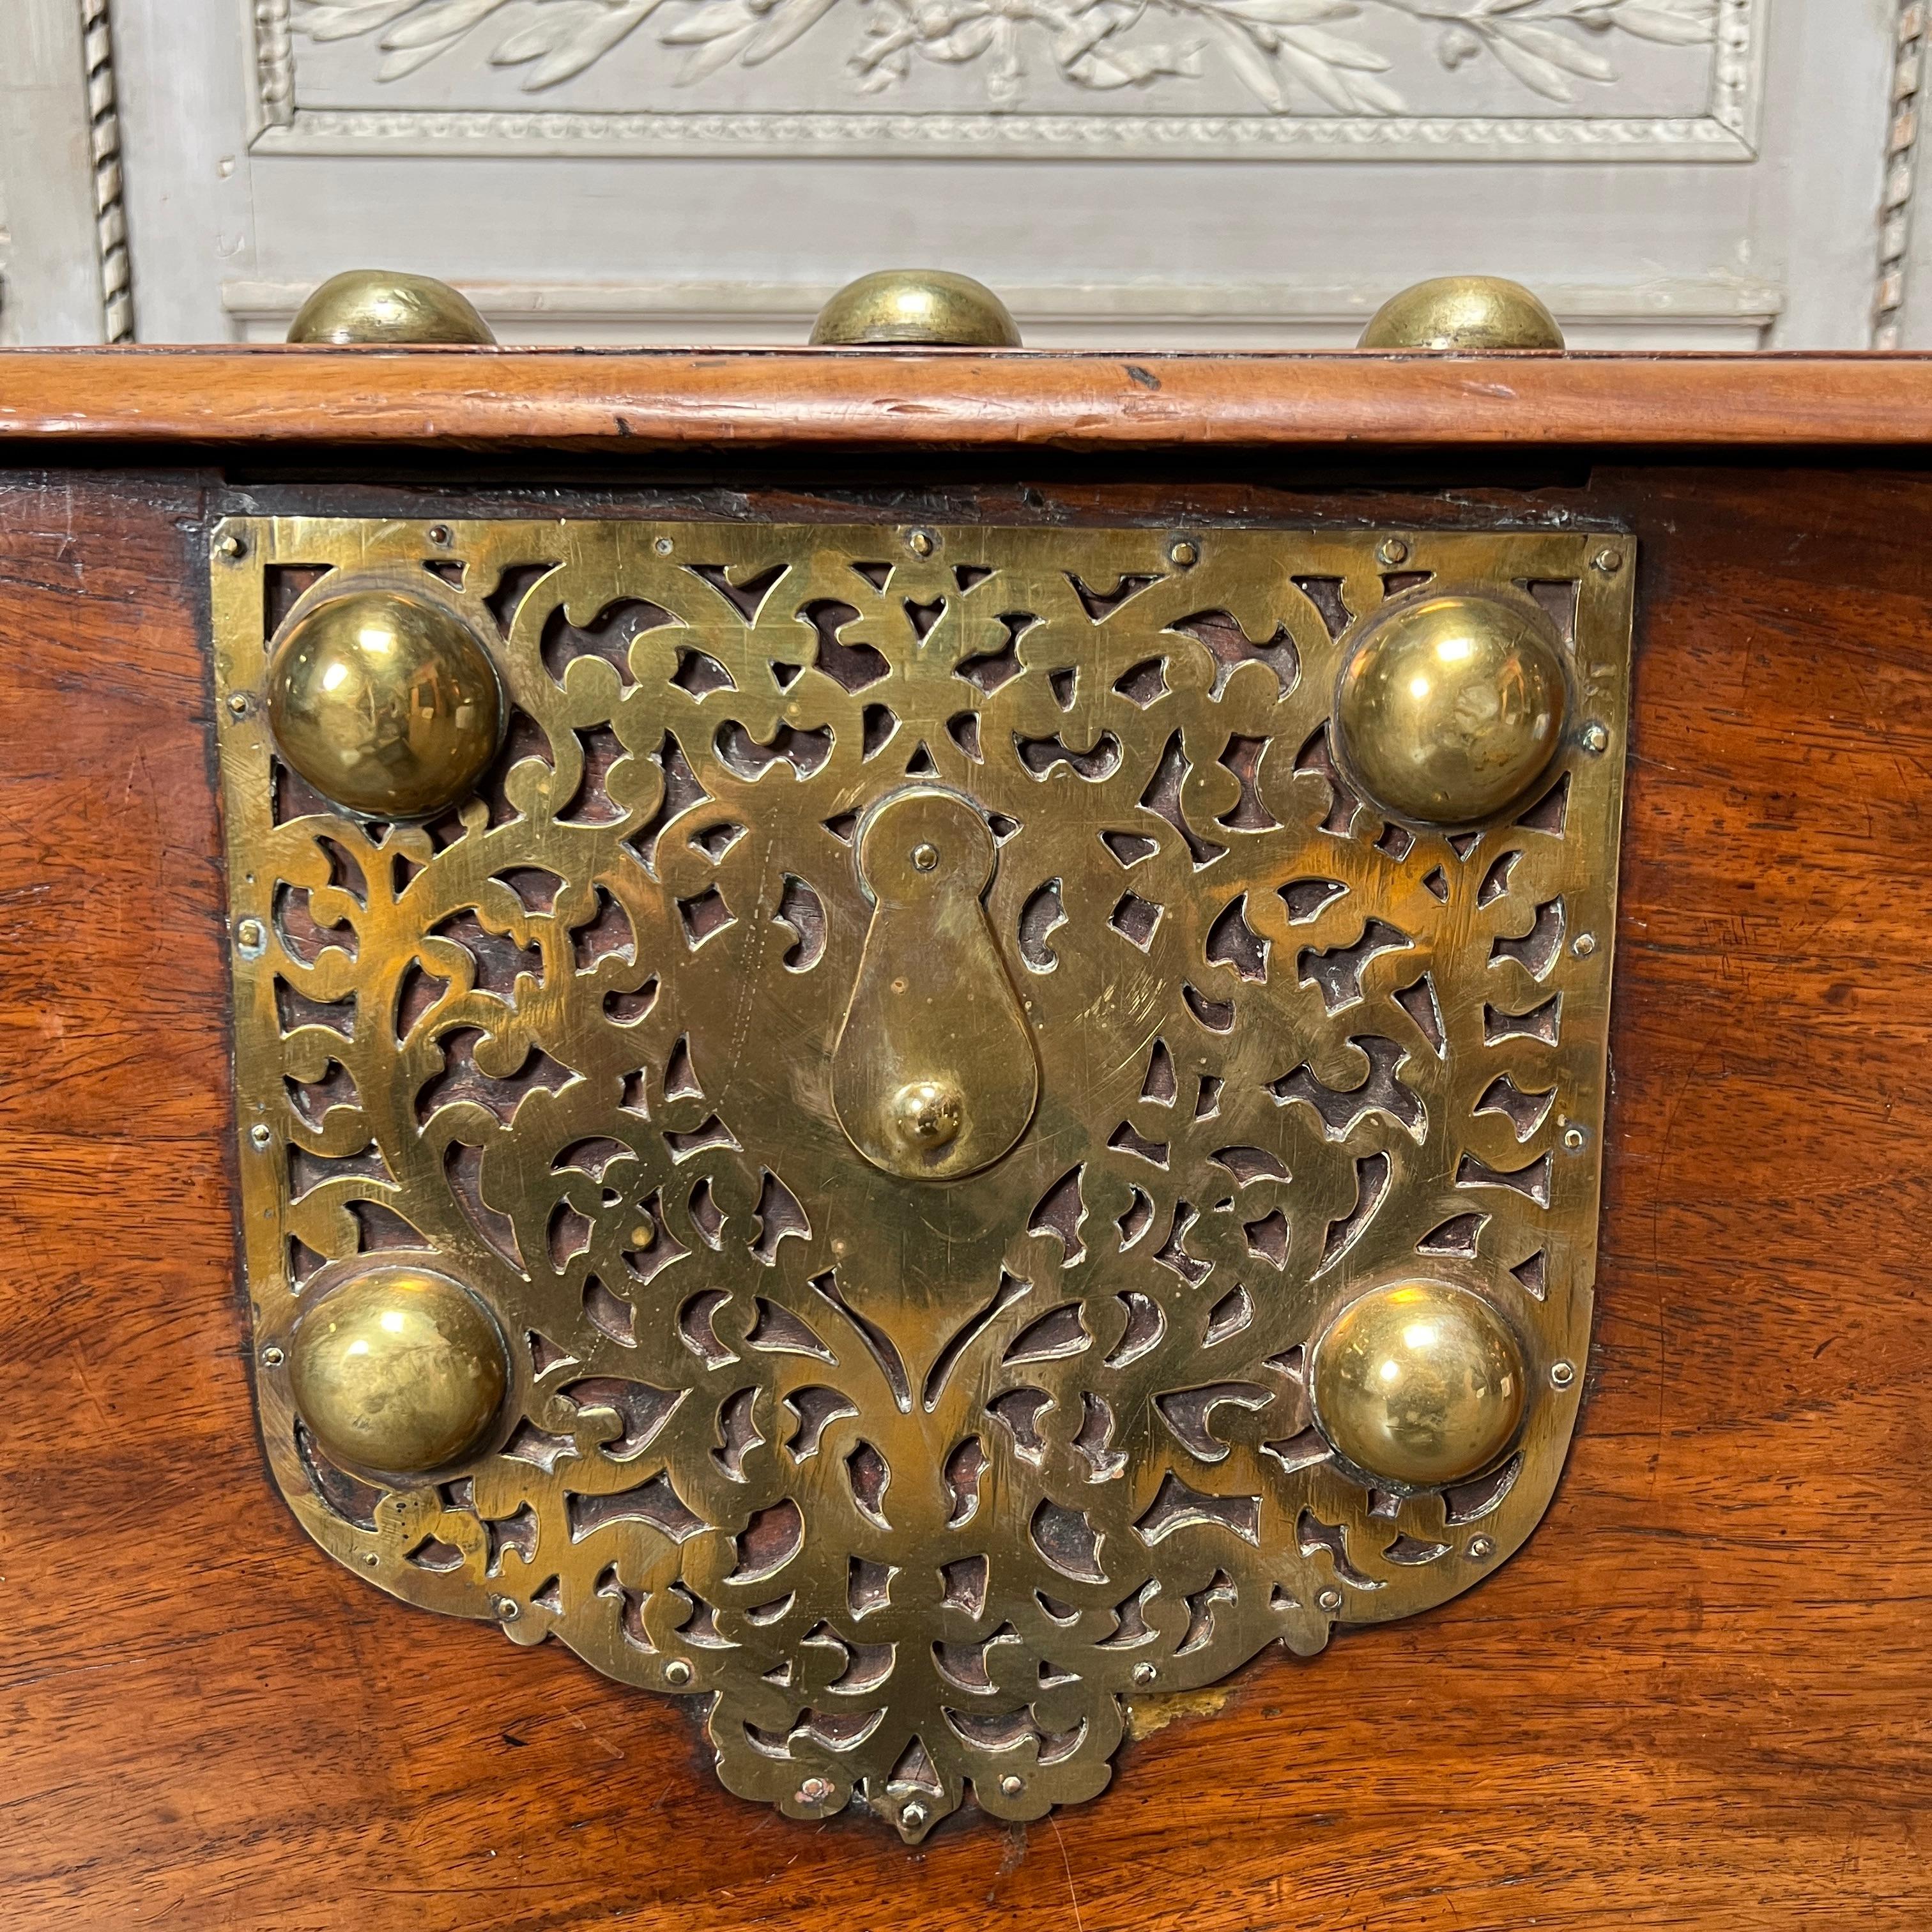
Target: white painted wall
[50, 282]
[1717, 192]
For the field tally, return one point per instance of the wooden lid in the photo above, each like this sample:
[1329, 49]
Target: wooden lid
[621, 400]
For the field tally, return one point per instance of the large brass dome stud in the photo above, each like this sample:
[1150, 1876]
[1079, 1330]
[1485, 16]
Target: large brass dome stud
[915, 308]
[1471, 313]
[1418, 1384]
[398, 1371]
[385, 305]
[1451, 706]
[385, 703]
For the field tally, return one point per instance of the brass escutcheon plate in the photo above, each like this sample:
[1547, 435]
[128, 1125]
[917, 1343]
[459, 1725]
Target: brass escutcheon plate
[865, 1124]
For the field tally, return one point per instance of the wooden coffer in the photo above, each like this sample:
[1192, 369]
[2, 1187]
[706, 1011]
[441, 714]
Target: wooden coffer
[907, 1457]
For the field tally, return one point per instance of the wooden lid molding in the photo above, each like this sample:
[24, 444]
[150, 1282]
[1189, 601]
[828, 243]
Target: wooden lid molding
[827, 399]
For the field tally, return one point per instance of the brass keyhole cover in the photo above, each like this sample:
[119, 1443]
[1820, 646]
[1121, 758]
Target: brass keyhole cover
[934, 1075]
[940, 1162]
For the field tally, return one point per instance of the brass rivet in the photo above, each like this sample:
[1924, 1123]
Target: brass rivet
[1392, 550]
[1562, 1373]
[1610, 562]
[1449, 709]
[1596, 738]
[507, 1609]
[1583, 945]
[1575, 1139]
[912, 1816]
[1470, 313]
[1419, 1384]
[1183, 553]
[438, 535]
[373, 1559]
[929, 308]
[1329, 1600]
[814, 1791]
[921, 543]
[928, 1113]
[272, 1358]
[385, 703]
[398, 1371]
[1012, 1785]
[925, 857]
[386, 305]
[232, 547]
[250, 938]
[260, 1136]
[677, 1671]
[1482, 1548]
[1144, 1674]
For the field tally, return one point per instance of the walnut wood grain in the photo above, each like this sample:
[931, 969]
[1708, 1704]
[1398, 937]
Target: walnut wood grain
[635, 401]
[1694, 1701]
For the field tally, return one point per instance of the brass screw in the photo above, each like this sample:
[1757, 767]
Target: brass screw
[677, 1671]
[1610, 562]
[260, 1136]
[1012, 1785]
[1583, 945]
[814, 1791]
[1392, 550]
[925, 857]
[1596, 738]
[1143, 1674]
[373, 1559]
[1329, 1600]
[1562, 1374]
[238, 703]
[507, 1609]
[1183, 552]
[912, 1816]
[1575, 1139]
[232, 547]
[272, 1358]
[662, 546]
[1482, 1548]
[439, 534]
[921, 543]
[250, 937]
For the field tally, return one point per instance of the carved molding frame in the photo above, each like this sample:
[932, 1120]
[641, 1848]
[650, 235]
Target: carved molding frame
[1727, 130]
[1901, 144]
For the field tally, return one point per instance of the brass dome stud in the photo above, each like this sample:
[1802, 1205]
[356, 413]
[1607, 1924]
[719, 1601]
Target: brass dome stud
[1471, 313]
[927, 1114]
[929, 308]
[1451, 706]
[1418, 1384]
[385, 703]
[398, 1371]
[385, 305]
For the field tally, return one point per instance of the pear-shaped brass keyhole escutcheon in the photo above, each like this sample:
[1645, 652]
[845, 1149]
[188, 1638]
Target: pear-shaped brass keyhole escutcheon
[934, 1076]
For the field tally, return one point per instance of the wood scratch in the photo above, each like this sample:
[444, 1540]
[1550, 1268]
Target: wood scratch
[1066, 1865]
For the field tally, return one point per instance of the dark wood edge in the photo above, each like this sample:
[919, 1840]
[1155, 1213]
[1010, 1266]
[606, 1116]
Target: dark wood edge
[646, 400]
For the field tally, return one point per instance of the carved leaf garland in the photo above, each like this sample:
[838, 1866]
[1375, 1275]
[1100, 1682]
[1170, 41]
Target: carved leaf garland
[1287, 53]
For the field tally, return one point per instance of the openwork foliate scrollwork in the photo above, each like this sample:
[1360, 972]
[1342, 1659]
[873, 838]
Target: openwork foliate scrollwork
[914, 1474]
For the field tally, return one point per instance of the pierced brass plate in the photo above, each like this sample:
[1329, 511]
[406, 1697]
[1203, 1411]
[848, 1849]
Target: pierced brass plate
[924, 1164]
